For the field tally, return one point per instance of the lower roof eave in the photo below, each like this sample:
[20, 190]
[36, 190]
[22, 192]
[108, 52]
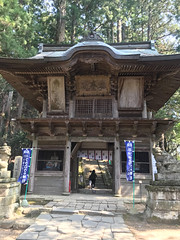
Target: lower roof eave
[121, 121]
[96, 127]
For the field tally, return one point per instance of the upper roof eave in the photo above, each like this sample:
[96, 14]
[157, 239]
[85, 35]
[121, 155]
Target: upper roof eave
[137, 57]
[160, 58]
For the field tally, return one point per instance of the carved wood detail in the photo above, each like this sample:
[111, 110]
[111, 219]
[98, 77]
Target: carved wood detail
[92, 85]
[130, 92]
[56, 94]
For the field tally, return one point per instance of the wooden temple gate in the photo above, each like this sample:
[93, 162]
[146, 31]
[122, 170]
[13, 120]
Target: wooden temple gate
[92, 92]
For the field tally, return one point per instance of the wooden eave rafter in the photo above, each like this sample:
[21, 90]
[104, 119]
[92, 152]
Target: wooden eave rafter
[34, 97]
[155, 126]
[21, 72]
[57, 65]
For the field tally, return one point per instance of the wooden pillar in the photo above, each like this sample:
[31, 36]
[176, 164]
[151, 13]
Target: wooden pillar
[71, 109]
[151, 160]
[75, 166]
[115, 109]
[144, 113]
[33, 166]
[74, 173]
[117, 173]
[150, 115]
[67, 167]
[44, 113]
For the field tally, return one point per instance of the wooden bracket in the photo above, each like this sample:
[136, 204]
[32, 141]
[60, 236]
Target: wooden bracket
[33, 127]
[117, 128]
[100, 129]
[84, 129]
[135, 127]
[67, 128]
[153, 127]
[51, 129]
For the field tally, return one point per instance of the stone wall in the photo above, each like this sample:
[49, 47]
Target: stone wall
[9, 197]
[163, 200]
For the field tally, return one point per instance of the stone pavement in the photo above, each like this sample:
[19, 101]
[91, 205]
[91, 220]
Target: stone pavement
[80, 217]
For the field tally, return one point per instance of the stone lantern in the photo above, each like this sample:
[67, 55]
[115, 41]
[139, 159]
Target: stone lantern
[5, 152]
[9, 188]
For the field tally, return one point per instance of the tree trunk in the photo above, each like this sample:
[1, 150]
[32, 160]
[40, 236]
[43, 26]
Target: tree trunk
[73, 28]
[108, 34]
[142, 25]
[112, 31]
[3, 114]
[149, 25]
[8, 111]
[119, 30]
[123, 33]
[161, 142]
[20, 101]
[61, 22]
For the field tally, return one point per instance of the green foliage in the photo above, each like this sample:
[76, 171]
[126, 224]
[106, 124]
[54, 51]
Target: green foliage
[171, 111]
[171, 108]
[15, 30]
[18, 141]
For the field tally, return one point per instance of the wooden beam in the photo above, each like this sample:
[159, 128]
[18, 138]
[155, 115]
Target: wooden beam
[75, 149]
[51, 138]
[92, 139]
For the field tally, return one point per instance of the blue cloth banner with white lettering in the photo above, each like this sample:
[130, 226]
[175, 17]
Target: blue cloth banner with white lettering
[129, 163]
[26, 159]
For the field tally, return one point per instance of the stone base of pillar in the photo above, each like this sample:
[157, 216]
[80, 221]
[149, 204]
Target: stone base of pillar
[9, 197]
[66, 193]
[5, 174]
[163, 202]
[117, 195]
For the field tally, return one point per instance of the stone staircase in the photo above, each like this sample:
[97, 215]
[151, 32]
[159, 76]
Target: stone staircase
[105, 173]
[103, 181]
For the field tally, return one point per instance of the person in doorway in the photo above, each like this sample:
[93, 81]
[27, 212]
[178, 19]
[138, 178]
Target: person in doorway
[92, 179]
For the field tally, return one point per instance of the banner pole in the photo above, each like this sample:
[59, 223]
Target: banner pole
[28, 175]
[133, 174]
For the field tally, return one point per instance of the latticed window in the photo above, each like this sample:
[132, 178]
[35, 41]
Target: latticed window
[84, 107]
[95, 108]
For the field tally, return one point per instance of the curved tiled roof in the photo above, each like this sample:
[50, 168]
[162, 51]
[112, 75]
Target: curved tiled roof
[115, 52]
[162, 72]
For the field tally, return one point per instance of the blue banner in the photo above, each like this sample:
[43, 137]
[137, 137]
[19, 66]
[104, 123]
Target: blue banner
[129, 163]
[26, 159]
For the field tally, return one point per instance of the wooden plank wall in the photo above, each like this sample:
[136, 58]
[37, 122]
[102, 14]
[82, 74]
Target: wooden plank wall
[48, 185]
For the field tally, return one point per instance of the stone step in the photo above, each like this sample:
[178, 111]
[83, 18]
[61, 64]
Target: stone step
[96, 191]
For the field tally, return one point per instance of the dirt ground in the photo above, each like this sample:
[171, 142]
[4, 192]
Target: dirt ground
[144, 229]
[140, 227]
[9, 234]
